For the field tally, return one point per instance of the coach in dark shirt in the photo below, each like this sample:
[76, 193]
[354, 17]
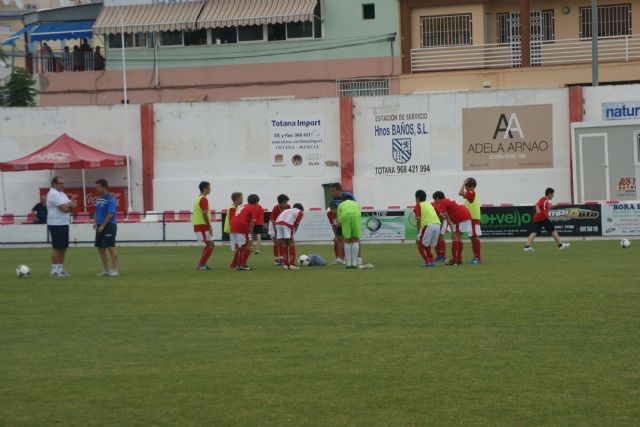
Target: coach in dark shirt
[40, 209]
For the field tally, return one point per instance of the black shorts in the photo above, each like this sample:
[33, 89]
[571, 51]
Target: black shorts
[339, 231]
[59, 236]
[258, 229]
[107, 239]
[546, 223]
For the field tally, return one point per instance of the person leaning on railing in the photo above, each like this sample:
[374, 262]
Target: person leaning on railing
[98, 59]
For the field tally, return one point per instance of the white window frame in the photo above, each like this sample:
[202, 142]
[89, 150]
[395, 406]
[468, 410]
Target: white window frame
[636, 149]
[6, 26]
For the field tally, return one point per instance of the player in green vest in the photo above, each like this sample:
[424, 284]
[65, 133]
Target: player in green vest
[201, 220]
[472, 202]
[428, 225]
[350, 219]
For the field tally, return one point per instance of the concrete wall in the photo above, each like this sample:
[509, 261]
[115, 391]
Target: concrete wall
[229, 145]
[24, 130]
[595, 96]
[494, 186]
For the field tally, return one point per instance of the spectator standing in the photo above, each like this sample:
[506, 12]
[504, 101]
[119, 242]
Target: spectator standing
[40, 211]
[106, 228]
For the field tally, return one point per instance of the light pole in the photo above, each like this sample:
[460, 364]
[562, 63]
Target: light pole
[126, 113]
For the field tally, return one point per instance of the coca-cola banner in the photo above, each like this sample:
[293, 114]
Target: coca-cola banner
[89, 205]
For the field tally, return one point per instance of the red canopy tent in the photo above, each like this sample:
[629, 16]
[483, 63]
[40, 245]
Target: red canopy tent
[63, 153]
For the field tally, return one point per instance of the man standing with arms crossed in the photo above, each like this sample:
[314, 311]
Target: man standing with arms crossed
[106, 228]
[58, 214]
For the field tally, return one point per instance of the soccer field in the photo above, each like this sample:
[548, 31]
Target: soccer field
[543, 338]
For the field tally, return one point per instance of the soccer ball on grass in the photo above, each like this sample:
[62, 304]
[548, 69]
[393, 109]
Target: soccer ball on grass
[23, 271]
[625, 243]
[304, 260]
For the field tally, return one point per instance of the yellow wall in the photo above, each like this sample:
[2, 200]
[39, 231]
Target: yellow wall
[16, 24]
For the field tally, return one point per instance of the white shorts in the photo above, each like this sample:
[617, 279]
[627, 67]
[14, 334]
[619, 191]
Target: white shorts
[238, 240]
[204, 236]
[429, 235]
[475, 229]
[284, 232]
[271, 230]
[444, 226]
[464, 226]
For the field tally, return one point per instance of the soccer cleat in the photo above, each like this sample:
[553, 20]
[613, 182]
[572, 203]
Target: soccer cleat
[338, 261]
[286, 267]
[294, 267]
[56, 274]
[564, 246]
[64, 274]
[243, 268]
[475, 261]
[441, 259]
[364, 266]
[426, 264]
[103, 273]
[278, 263]
[360, 261]
[114, 273]
[452, 262]
[528, 249]
[202, 268]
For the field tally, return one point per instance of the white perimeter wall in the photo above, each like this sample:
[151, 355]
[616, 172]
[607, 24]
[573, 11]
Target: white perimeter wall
[24, 130]
[228, 144]
[517, 186]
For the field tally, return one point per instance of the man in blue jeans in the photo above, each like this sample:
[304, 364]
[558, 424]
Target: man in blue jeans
[106, 228]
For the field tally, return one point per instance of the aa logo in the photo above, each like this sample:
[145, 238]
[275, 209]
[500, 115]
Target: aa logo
[508, 126]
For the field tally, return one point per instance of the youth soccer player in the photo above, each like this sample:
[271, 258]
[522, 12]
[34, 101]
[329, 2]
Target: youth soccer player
[428, 224]
[242, 224]
[283, 204]
[472, 202]
[236, 200]
[340, 195]
[338, 244]
[459, 218]
[258, 229]
[541, 219]
[201, 220]
[287, 224]
[350, 218]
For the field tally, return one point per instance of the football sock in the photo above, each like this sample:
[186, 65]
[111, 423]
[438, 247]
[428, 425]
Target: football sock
[206, 253]
[292, 255]
[441, 247]
[355, 251]
[246, 251]
[336, 250]
[422, 252]
[454, 251]
[347, 252]
[60, 268]
[284, 254]
[429, 255]
[276, 252]
[236, 256]
[460, 246]
[476, 248]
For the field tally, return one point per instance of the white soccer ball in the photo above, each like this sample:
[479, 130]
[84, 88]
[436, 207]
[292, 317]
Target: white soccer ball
[304, 260]
[625, 243]
[23, 271]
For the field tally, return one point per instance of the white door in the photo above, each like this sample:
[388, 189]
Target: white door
[594, 167]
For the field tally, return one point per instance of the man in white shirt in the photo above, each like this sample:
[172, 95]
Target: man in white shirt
[58, 214]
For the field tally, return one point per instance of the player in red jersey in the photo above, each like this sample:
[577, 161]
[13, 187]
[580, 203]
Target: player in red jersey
[283, 204]
[242, 223]
[459, 218]
[541, 219]
[236, 200]
[287, 224]
[338, 243]
[258, 229]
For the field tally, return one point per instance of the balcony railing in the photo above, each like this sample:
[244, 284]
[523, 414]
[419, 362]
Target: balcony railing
[558, 52]
[59, 61]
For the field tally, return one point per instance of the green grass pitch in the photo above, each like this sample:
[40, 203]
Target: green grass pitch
[544, 338]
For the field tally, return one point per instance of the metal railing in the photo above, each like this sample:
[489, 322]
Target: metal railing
[558, 52]
[67, 61]
[363, 87]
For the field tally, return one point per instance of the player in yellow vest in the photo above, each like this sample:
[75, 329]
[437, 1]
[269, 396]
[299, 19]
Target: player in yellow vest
[428, 225]
[201, 220]
[472, 202]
